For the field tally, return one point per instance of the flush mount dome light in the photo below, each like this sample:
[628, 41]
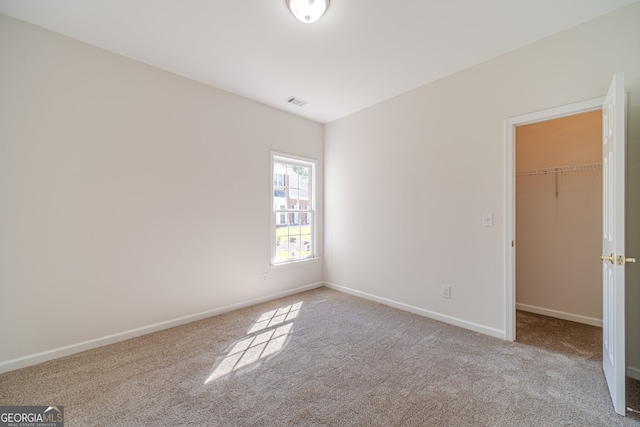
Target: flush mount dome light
[307, 11]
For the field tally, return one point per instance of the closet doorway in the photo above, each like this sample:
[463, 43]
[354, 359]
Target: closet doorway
[612, 332]
[558, 224]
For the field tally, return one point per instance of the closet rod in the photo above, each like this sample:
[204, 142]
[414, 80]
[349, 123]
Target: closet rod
[560, 169]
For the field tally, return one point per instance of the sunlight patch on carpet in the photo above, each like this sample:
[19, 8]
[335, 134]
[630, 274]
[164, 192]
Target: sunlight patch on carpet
[267, 336]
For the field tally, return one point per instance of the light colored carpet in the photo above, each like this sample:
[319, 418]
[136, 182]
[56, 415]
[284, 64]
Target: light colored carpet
[325, 358]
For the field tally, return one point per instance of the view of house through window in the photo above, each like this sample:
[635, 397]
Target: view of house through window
[293, 209]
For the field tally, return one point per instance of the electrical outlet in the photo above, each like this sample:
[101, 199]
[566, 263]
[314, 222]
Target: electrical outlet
[446, 292]
[265, 277]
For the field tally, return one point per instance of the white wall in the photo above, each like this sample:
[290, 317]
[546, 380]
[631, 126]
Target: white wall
[407, 180]
[128, 195]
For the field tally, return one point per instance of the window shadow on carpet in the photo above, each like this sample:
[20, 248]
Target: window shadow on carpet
[267, 336]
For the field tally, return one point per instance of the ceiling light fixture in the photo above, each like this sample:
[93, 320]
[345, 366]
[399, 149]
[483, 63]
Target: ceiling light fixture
[308, 11]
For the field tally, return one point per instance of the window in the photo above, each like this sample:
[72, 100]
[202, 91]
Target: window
[278, 180]
[293, 215]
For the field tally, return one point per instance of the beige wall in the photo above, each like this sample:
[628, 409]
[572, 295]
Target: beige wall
[129, 196]
[572, 140]
[559, 236]
[424, 166]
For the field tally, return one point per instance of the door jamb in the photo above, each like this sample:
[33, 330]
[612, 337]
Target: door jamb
[510, 197]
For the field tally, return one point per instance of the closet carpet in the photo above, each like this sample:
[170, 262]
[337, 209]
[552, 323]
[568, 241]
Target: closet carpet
[325, 358]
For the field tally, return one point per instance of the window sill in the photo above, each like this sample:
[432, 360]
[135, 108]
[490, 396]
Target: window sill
[295, 263]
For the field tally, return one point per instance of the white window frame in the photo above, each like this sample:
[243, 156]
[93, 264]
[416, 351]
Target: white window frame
[311, 211]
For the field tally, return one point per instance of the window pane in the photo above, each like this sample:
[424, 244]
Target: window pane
[294, 247]
[305, 245]
[282, 243]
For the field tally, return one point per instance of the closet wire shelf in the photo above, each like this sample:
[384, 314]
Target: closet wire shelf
[560, 169]
[557, 170]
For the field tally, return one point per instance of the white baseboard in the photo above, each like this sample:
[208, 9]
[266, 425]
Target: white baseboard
[560, 315]
[33, 359]
[421, 311]
[633, 372]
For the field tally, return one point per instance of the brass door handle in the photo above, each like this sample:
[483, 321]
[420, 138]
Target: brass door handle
[623, 260]
[611, 258]
[620, 260]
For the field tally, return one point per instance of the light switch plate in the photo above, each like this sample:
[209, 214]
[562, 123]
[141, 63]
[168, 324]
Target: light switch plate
[487, 220]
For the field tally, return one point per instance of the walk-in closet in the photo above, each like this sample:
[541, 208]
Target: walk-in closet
[559, 218]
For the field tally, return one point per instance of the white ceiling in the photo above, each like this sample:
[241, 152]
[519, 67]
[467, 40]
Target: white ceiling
[360, 53]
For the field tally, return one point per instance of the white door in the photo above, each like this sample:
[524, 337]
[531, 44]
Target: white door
[613, 172]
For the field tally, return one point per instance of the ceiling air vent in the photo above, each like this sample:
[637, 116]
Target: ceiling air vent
[296, 101]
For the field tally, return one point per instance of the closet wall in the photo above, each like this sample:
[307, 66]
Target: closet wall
[559, 217]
